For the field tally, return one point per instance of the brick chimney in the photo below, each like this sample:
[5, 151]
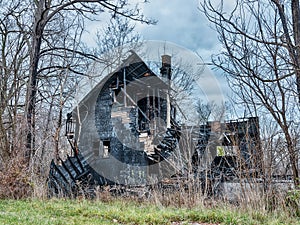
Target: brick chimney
[165, 69]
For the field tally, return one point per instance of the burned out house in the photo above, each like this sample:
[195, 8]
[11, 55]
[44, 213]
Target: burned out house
[125, 131]
[120, 118]
[230, 147]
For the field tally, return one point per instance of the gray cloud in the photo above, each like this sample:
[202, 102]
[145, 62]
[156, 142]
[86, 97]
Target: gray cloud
[180, 22]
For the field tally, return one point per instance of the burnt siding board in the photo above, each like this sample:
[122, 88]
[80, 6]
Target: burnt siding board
[103, 114]
[163, 108]
[126, 154]
[117, 149]
[64, 179]
[133, 121]
[135, 157]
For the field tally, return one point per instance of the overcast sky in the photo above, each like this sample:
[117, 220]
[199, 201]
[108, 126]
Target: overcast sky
[180, 22]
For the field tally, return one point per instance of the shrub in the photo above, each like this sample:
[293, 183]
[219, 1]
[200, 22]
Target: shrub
[15, 182]
[293, 202]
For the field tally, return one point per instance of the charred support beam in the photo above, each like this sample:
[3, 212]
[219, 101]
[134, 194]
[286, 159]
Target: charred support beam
[125, 90]
[165, 71]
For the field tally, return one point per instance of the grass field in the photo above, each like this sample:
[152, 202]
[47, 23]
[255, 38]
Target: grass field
[63, 211]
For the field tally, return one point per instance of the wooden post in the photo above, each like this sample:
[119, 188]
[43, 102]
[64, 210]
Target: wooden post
[125, 91]
[168, 109]
[159, 109]
[154, 111]
[166, 74]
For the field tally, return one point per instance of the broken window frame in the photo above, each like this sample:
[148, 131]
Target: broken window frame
[106, 149]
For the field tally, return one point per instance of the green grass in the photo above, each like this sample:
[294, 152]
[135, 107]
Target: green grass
[63, 211]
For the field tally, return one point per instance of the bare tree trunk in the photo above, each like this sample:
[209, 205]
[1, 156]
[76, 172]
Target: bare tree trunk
[292, 156]
[296, 26]
[293, 48]
[38, 30]
[4, 146]
[31, 100]
[58, 129]
[46, 130]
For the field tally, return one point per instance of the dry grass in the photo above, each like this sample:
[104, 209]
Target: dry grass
[179, 204]
[15, 180]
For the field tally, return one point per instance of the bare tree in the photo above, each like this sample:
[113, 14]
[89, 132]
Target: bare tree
[13, 64]
[260, 47]
[64, 59]
[117, 34]
[207, 111]
[46, 13]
